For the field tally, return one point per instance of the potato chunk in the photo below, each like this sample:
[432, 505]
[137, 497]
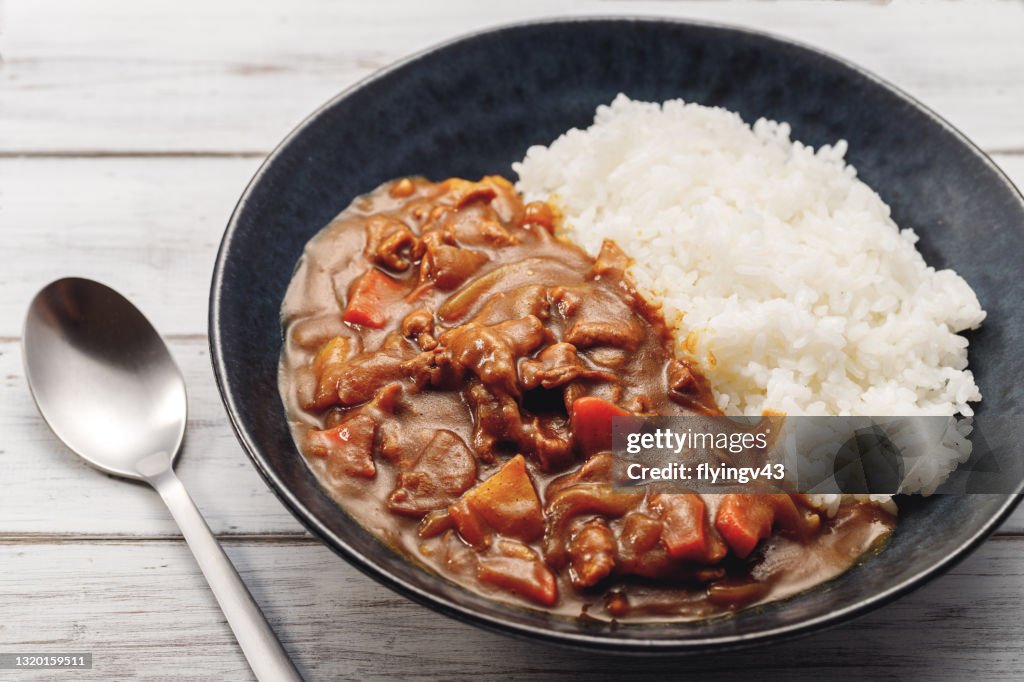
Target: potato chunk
[516, 568]
[506, 502]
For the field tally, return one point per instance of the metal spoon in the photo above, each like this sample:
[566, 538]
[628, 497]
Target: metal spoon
[107, 386]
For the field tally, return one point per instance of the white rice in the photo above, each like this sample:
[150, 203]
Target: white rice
[789, 280]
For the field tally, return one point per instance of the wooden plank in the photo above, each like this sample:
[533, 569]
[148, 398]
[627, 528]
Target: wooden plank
[216, 85]
[1013, 167]
[53, 492]
[142, 609]
[1015, 524]
[234, 76]
[50, 490]
[149, 227]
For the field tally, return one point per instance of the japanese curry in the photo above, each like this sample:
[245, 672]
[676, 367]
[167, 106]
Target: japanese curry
[451, 367]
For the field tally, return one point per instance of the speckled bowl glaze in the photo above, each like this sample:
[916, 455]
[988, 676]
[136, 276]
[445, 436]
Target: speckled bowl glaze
[472, 107]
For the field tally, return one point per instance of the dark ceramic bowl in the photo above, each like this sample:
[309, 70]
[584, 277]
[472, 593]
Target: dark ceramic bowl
[472, 107]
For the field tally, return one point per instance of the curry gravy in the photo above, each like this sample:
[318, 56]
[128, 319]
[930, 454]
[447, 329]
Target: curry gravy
[439, 335]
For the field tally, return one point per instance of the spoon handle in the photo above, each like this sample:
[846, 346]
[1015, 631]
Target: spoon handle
[266, 656]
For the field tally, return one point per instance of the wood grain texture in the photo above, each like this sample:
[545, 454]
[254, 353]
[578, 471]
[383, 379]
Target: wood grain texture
[143, 610]
[51, 491]
[140, 124]
[149, 227]
[234, 75]
[56, 493]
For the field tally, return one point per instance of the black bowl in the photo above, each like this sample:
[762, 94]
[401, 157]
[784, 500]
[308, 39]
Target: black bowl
[473, 106]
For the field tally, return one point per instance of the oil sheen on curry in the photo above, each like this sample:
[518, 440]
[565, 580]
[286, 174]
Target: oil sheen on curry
[451, 368]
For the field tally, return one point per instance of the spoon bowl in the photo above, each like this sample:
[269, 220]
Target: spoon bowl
[102, 377]
[107, 386]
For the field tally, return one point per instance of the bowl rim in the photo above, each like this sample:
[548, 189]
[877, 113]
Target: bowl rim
[577, 639]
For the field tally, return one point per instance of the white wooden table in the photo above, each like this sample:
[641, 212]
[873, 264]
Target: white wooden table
[127, 131]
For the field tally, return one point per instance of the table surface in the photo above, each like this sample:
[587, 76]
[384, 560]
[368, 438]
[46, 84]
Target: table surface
[127, 131]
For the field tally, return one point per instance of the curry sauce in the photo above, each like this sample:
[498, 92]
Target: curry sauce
[451, 367]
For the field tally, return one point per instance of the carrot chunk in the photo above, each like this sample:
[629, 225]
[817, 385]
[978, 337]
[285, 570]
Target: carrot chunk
[370, 297]
[744, 520]
[686, 533]
[348, 447]
[591, 423]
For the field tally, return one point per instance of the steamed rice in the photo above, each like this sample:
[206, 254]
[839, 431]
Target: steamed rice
[789, 281]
